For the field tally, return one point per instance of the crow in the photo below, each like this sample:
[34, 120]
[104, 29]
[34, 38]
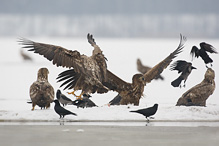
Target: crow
[62, 98]
[61, 111]
[203, 52]
[84, 102]
[183, 67]
[147, 112]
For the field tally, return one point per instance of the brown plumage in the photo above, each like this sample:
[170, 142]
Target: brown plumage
[91, 71]
[143, 69]
[25, 56]
[197, 95]
[132, 92]
[129, 92]
[41, 92]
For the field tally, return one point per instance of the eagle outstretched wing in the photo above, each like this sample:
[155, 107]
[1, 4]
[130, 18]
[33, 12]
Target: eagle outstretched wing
[158, 69]
[58, 55]
[116, 84]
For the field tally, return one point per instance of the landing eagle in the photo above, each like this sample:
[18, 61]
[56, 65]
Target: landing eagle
[130, 92]
[91, 71]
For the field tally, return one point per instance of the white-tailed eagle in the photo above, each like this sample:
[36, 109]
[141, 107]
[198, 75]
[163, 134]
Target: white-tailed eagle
[91, 70]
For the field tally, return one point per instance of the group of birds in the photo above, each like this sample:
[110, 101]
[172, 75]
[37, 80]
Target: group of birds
[90, 75]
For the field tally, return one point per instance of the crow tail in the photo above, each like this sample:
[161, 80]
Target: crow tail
[177, 82]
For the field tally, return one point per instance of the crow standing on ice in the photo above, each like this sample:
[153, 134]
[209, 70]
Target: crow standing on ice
[147, 112]
[183, 67]
[203, 52]
[61, 111]
[62, 98]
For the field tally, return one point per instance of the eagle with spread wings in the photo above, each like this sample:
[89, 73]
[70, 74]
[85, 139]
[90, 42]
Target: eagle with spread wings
[130, 92]
[91, 70]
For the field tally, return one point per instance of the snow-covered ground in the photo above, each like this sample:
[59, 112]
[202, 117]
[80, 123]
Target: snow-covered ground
[16, 76]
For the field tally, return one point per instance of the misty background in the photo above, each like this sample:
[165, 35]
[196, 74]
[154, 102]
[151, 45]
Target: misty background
[109, 18]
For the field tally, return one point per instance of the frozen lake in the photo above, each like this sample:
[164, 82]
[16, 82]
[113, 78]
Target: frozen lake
[17, 76]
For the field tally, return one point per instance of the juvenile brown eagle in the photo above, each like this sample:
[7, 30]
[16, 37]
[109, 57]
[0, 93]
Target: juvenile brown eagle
[143, 69]
[41, 92]
[197, 95]
[91, 71]
[129, 92]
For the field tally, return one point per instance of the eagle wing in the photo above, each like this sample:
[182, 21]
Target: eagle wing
[158, 69]
[99, 58]
[58, 55]
[116, 84]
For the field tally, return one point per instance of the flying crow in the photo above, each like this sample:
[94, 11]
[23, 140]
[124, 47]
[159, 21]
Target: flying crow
[183, 67]
[203, 52]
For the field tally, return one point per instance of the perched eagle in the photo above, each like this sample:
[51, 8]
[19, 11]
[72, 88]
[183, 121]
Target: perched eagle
[91, 71]
[129, 92]
[197, 95]
[143, 69]
[41, 92]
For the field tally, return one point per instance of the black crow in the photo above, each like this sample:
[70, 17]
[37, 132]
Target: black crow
[115, 101]
[147, 112]
[61, 111]
[62, 98]
[84, 102]
[203, 52]
[183, 67]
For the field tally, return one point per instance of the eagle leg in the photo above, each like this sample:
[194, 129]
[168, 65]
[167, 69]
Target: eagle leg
[33, 106]
[73, 93]
[79, 97]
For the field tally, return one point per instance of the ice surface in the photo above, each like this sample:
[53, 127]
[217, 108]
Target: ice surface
[17, 75]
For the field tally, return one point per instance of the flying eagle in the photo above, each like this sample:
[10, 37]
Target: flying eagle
[129, 92]
[143, 69]
[197, 95]
[91, 71]
[41, 92]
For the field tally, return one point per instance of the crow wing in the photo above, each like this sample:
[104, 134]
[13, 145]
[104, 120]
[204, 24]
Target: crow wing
[194, 52]
[158, 69]
[207, 47]
[179, 65]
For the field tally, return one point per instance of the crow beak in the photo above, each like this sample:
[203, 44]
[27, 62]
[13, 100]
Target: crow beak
[194, 67]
